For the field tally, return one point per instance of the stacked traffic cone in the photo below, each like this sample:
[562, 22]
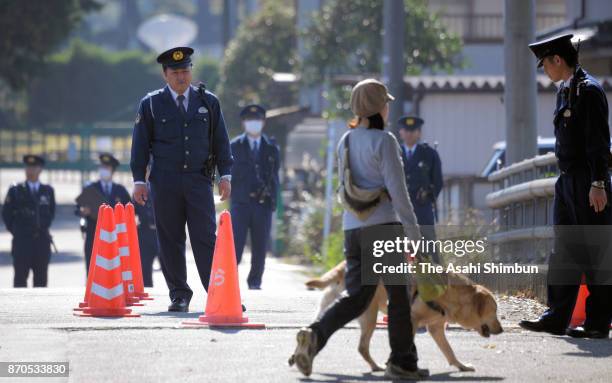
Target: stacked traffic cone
[91, 264]
[130, 218]
[223, 306]
[126, 256]
[107, 295]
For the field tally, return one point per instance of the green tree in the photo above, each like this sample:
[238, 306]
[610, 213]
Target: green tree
[86, 84]
[346, 38]
[33, 29]
[206, 69]
[264, 45]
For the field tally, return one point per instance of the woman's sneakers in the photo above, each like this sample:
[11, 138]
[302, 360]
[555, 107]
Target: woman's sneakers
[394, 372]
[305, 351]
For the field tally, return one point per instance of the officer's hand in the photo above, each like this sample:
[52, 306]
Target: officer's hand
[598, 199]
[85, 211]
[225, 189]
[141, 194]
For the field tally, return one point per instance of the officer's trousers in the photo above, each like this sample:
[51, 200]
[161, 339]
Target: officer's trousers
[179, 199]
[358, 298]
[256, 218]
[31, 254]
[147, 239]
[581, 247]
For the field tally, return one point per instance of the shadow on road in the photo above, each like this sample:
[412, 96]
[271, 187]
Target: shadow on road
[370, 377]
[179, 315]
[591, 348]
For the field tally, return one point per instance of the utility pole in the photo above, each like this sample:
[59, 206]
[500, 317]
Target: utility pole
[520, 90]
[394, 68]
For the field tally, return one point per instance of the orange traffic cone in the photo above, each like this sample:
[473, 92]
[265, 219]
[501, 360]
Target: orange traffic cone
[126, 256]
[107, 296]
[579, 314]
[223, 306]
[130, 220]
[92, 256]
[384, 322]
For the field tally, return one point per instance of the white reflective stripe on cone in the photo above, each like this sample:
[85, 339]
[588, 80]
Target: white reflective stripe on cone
[108, 264]
[108, 236]
[105, 293]
[121, 228]
[126, 275]
[124, 251]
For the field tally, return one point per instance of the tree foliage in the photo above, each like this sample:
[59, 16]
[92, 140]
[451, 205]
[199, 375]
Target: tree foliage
[33, 29]
[346, 38]
[86, 84]
[264, 45]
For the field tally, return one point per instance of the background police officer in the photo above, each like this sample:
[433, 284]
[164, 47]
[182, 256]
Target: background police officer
[28, 211]
[582, 195]
[176, 124]
[254, 184]
[147, 236]
[423, 170]
[112, 193]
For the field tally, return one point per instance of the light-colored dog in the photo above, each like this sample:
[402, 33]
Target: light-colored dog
[465, 303]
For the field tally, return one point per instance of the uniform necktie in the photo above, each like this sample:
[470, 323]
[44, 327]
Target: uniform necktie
[408, 154]
[107, 190]
[181, 105]
[255, 149]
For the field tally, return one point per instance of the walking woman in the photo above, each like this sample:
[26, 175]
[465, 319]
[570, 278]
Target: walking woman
[374, 196]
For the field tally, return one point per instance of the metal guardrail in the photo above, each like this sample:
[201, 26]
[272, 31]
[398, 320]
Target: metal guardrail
[65, 148]
[522, 203]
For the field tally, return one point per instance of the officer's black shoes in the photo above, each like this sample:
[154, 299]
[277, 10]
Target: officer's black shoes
[179, 305]
[395, 372]
[581, 332]
[254, 287]
[305, 351]
[541, 326]
[243, 308]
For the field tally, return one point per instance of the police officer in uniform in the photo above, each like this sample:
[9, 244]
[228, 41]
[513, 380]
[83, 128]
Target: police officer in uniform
[28, 212]
[423, 170]
[182, 127]
[254, 184]
[113, 193]
[582, 196]
[147, 236]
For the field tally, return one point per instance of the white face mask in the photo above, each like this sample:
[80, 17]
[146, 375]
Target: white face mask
[105, 174]
[253, 127]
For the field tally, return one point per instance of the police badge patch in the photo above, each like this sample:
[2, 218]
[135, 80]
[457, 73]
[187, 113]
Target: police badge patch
[202, 110]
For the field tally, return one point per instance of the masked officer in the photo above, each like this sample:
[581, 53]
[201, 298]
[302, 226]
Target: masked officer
[28, 211]
[423, 170]
[582, 196]
[147, 236]
[112, 193]
[182, 126]
[254, 185]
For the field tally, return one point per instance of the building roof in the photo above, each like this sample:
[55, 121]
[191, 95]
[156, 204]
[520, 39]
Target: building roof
[462, 83]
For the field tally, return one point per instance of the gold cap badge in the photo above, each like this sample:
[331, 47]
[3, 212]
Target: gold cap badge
[177, 55]
[410, 121]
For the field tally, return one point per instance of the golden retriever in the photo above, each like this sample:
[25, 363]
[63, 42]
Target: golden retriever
[465, 303]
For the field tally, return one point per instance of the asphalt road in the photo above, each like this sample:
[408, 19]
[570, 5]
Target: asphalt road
[38, 325]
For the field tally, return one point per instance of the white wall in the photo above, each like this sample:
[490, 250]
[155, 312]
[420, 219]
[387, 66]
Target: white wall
[466, 126]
